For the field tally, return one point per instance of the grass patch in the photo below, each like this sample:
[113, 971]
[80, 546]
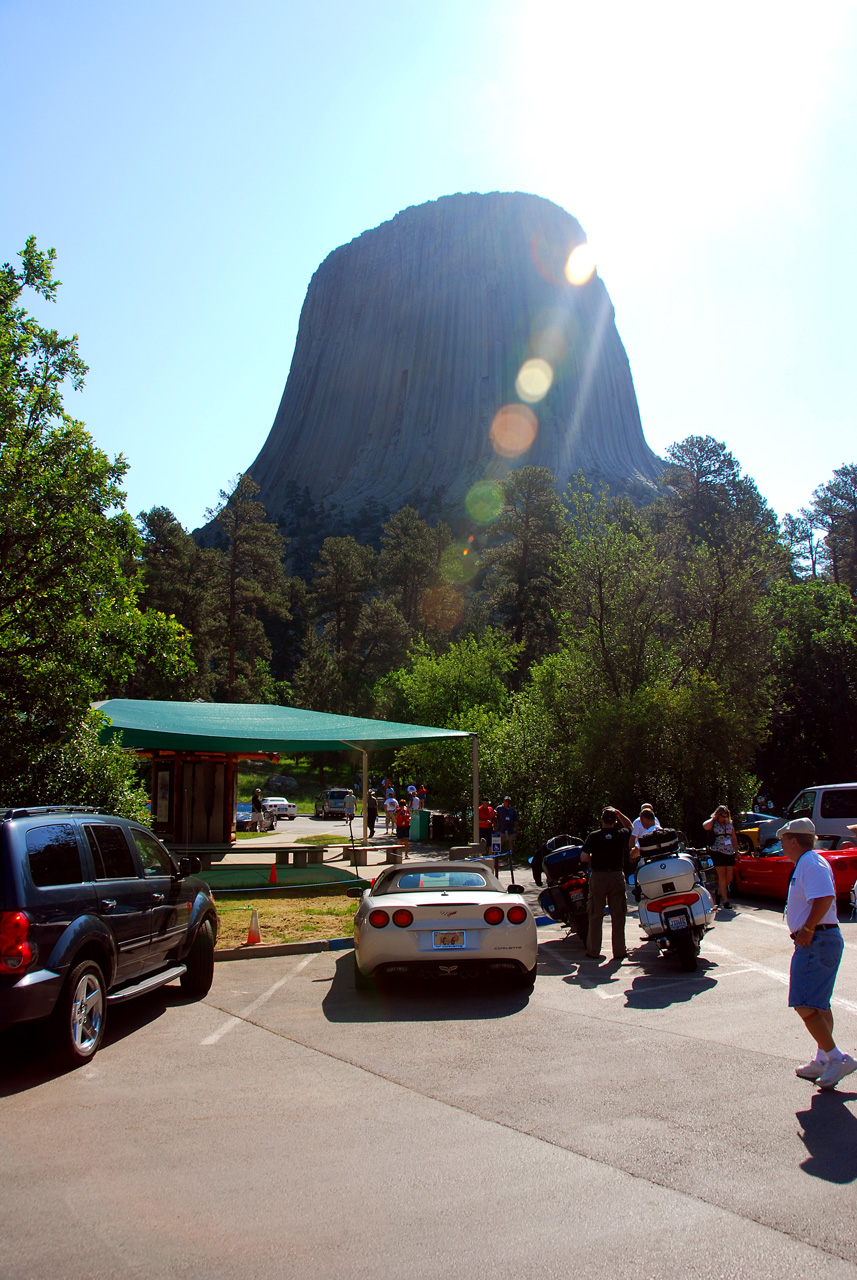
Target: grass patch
[325, 840]
[286, 919]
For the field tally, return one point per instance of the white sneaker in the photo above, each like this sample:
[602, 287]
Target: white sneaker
[835, 1071]
[811, 1071]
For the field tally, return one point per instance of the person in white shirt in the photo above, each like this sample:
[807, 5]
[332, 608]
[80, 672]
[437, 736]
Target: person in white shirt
[814, 926]
[646, 822]
[391, 804]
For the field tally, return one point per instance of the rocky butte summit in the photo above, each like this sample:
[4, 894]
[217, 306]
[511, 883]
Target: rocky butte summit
[445, 347]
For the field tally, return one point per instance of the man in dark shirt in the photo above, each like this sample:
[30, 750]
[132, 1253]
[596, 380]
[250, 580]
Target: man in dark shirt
[605, 851]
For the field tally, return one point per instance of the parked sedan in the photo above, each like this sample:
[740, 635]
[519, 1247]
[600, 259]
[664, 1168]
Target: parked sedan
[767, 873]
[244, 820]
[443, 920]
[280, 806]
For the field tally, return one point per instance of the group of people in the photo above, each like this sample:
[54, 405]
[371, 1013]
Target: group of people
[503, 820]
[810, 913]
[397, 811]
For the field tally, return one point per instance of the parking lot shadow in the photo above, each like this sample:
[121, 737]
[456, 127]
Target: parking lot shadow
[830, 1137]
[452, 1000]
[27, 1057]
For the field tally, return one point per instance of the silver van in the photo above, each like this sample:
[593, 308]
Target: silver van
[832, 807]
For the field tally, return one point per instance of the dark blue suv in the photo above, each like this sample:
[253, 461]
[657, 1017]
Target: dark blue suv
[93, 911]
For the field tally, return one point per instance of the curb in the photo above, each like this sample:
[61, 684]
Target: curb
[260, 952]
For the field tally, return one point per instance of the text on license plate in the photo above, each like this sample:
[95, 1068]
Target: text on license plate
[576, 895]
[677, 922]
[448, 938]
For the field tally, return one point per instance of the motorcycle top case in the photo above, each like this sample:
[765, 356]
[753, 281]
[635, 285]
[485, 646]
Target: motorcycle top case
[660, 842]
[668, 875]
[562, 862]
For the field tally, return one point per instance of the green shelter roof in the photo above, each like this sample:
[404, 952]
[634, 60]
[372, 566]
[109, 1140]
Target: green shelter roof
[233, 727]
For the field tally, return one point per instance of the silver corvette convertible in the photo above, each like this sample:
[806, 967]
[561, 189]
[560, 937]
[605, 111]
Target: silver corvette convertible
[444, 921]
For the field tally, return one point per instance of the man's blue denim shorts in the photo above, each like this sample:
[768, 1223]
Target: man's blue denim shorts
[813, 970]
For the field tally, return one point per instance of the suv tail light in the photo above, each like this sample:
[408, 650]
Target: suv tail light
[16, 953]
[378, 918]
[403, 917]
[493, 915]
[516, 914]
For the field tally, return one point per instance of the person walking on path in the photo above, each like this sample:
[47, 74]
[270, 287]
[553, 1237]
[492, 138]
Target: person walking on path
[605, 851]
[350, 806]
[506, 819]
[486, 823]
[256, 808]
[391, 804]
[724, 848]
[371, 813]
[814, 927]
[403, 826]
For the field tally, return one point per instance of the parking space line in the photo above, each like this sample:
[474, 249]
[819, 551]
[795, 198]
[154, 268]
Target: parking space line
[780, 924]
[658, 984]
[260, 1000]
[777, 974]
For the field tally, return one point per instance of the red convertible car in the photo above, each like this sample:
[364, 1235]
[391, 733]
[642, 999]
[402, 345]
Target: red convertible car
[767, 873]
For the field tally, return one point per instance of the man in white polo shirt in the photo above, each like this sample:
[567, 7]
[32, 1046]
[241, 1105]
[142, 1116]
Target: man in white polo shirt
[814, 926]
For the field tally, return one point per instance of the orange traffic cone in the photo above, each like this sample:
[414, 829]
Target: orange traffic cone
[253, 934]
[272, 878]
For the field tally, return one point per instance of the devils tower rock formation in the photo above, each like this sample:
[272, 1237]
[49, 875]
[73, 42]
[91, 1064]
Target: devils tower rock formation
[416, 334]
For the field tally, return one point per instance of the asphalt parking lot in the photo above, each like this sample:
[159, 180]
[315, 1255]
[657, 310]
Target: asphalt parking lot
[628, 1121]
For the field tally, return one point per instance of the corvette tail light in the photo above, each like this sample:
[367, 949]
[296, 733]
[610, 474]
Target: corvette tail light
[516, 915]
[16, 953]
[493, 915]
[403, 917]
[378, 918]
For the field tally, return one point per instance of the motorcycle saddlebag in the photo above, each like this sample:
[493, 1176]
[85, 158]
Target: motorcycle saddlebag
[554, 902]
[674, 874]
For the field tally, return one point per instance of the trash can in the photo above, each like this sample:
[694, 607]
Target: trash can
[420, 825]
[438, 826]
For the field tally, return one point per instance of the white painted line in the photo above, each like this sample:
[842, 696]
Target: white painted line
[777, 974]
[781, 924]
[659, 984]
[260, 1000]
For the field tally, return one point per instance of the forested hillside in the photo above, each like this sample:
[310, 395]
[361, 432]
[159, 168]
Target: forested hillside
[679, 652]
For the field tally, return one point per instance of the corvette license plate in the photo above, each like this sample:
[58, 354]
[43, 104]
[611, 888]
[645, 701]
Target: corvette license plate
[677, 922]
[448, 939]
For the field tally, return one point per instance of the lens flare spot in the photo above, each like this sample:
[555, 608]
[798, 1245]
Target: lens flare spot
[441, 608]
[580, 265]
[513, 430]
[484, 502]
[458, 565]
[534, 380]
[549, 344]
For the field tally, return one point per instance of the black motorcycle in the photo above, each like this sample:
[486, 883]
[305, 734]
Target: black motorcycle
[566, 898]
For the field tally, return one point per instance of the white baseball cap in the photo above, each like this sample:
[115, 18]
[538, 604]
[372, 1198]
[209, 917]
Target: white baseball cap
[798, 827]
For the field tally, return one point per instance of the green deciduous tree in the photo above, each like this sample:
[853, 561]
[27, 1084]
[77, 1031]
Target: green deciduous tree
[70, 629]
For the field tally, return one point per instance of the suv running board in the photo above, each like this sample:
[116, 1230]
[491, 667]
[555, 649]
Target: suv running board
[148, 984]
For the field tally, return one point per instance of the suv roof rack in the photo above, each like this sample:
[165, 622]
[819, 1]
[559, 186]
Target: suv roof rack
[34, 811]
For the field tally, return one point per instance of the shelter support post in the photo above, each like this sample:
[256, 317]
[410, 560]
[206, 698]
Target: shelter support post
[475, 788]
[365, 795]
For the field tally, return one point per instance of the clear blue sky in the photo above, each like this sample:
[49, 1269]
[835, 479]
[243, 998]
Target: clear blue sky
[193, 162]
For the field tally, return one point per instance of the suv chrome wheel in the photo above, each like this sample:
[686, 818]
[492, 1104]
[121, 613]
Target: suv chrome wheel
[87, 1011]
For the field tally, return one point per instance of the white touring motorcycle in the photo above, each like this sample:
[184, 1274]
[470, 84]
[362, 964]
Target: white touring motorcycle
[676, 908]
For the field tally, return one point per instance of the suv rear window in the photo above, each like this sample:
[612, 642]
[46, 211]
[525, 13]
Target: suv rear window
[54, 855]
[110, 853]
[839, 804]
